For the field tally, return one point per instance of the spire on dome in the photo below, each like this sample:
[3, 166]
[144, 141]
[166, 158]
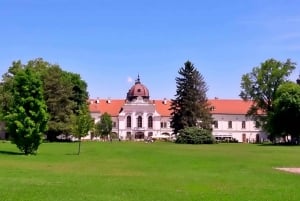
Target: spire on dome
[138, 81]
[138, 90]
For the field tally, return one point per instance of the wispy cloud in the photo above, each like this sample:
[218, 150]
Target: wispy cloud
[129, 79]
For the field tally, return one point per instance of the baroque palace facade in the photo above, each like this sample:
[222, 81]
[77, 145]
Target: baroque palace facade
[138, 117]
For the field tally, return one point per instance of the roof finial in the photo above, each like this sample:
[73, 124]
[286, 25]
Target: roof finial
[138, 81]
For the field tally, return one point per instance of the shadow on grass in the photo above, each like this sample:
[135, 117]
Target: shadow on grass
[72, 154]
[11, 153]
[279, 144]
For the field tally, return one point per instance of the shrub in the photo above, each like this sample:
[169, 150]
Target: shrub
[195, 135]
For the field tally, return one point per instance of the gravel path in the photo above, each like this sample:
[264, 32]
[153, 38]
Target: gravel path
[292, 170]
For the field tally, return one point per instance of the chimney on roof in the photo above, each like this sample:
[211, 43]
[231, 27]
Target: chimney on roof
[97, 101]
[108, 100]
[216, 98]
[165, 101]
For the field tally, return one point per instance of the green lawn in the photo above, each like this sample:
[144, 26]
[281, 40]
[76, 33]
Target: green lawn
[159, 171]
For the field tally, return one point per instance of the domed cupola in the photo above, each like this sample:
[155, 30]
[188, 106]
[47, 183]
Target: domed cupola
[138, 90]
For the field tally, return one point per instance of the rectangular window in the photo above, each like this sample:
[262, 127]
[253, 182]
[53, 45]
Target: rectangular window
[150, 122]
[161, 124]
[243, 124]
[229, 124]
[216, 125]
[257, 124]
[114, 124]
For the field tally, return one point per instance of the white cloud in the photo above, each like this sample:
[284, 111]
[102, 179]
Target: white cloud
[129, 80]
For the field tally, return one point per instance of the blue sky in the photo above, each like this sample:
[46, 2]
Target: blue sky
[110, 42]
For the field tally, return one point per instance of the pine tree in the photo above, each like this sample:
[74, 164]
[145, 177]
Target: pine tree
[190, 107]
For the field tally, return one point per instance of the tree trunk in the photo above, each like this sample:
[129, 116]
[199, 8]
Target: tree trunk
[79, 145]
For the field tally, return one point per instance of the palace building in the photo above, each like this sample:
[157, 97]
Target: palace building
[138, 117]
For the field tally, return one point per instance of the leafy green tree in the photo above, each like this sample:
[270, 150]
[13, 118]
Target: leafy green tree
[82, 124]
[260, 86]
[58, 93]
[190, 107]
[284, 119]
[6, 87]
[79, 90]
[103, 127]
[64, 92]
[27, 119]
[195, 135]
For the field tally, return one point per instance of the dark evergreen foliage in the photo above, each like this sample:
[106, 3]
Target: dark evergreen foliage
[190, 107]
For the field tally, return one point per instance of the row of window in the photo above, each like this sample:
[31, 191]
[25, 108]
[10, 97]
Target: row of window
[139, 122]
[164, 124]
[230, 124]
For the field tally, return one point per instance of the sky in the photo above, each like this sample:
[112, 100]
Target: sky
[110, 42]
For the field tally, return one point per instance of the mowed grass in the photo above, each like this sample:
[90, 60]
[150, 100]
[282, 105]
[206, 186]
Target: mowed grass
[122, 171]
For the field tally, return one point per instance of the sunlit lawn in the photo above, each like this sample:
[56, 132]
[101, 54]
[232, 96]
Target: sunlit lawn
[152, 172]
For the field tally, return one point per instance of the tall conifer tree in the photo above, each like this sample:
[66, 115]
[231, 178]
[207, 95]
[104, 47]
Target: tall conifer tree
[190, 107]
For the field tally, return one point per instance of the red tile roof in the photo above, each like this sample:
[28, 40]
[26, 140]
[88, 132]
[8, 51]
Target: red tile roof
[162, 107]
[229, 106]
[220, 106]
[112, 107]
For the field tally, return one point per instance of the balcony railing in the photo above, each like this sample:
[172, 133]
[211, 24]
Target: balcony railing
[139, 128]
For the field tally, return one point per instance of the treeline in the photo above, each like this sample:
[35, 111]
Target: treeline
[63, 93]
[40, 99]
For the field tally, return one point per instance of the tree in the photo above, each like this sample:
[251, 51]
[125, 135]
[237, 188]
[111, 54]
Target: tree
[190, 107]
[260, 86]
[27, 119]
[79, 90]
[82, 124]
[103, 127]
[284, 119]
[58, 93]
[6, 88]
[64, 93]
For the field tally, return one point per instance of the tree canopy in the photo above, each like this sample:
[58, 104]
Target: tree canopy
[190, 107]
[261, 84]
[284, 119]
[64, 92]
[27, 119]
[103, 127]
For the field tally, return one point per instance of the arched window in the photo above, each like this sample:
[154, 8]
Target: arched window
[128, 121]
[150, 122]
[139, 122]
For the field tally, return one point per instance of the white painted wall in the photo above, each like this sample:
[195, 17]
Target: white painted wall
[237, 132]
